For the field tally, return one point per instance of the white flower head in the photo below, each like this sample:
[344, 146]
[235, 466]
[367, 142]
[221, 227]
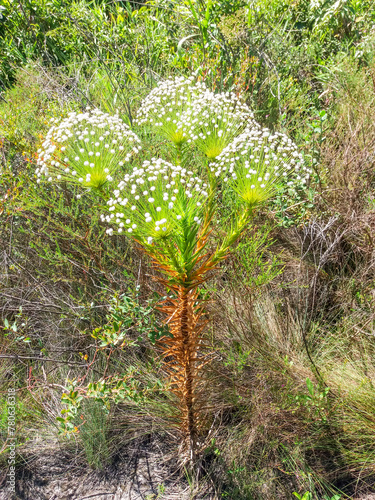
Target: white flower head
[79, 136]
[157, 217]
[214, 120]
[166, 103]
[257, 163]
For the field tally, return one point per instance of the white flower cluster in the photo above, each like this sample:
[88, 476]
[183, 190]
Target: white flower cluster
[86, 148]
[155, 201]
[214, 120]
[165, 104]
[186, 111]
[257, 162]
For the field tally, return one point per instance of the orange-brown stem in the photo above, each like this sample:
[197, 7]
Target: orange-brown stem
[188, 355]
[184, 360]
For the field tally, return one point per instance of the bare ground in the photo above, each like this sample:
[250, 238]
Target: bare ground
[139, 472]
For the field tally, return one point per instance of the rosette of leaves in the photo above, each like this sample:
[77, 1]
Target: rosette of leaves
[86, 149]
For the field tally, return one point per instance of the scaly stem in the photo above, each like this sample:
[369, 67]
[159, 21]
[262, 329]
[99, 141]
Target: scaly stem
[188, 360]
[180, 351]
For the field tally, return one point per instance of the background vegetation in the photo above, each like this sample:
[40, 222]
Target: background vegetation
[292, 311]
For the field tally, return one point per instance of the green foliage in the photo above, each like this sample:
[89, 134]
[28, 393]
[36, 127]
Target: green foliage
[31, 30]
[316, 402]
[24, 114]
[316, 136]
[161, 489]
[127, 322]
[23, 414]
[259, 267]
[16, 328]
[72, 401]
[93, 431]
[305, 496]
[128, 316]
[131, 386]
[308, 496]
